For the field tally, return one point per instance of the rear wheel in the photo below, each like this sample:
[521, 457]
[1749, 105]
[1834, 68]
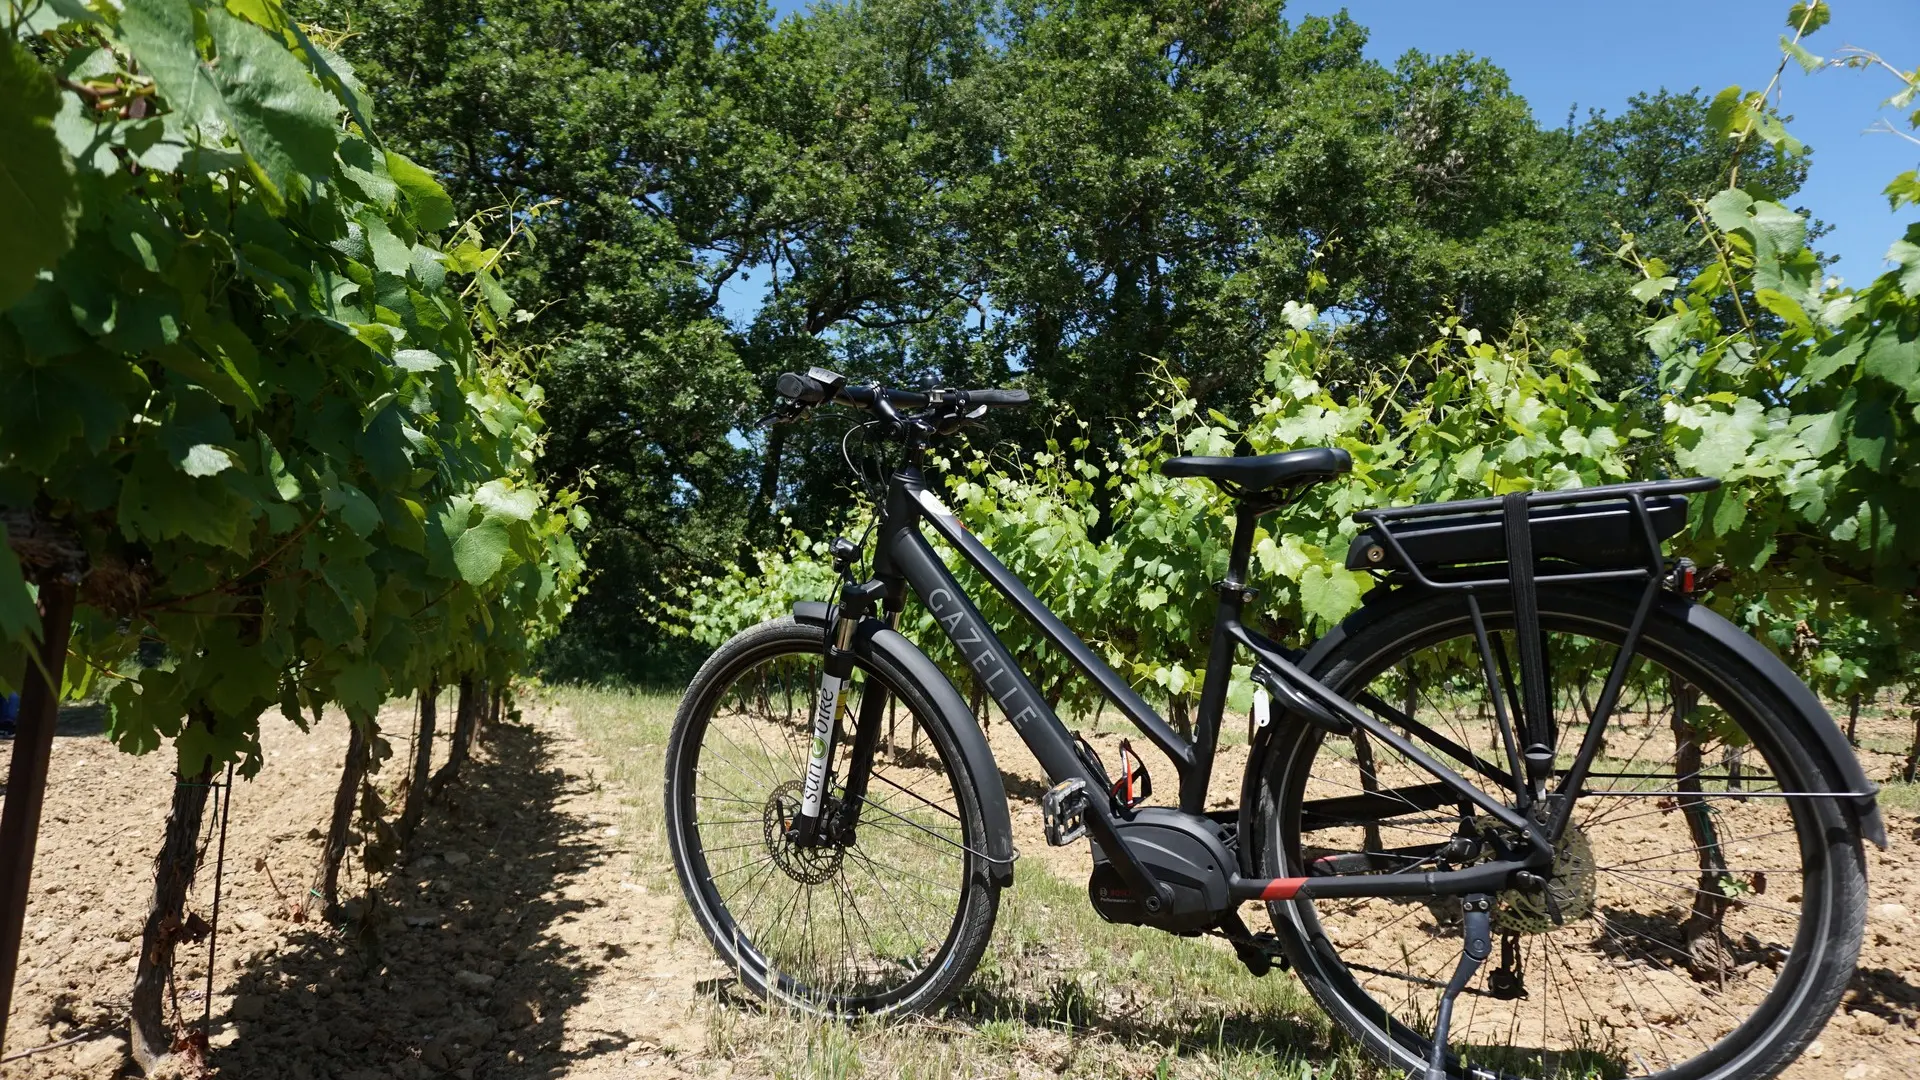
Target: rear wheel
[1697, 925]
[890, 919]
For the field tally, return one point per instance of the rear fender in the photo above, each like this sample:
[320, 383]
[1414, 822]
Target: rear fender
[1830, 750]
[875, 638]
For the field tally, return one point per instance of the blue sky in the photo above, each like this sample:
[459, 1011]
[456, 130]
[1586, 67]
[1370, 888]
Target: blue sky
[1588, 54]
[1597, 55]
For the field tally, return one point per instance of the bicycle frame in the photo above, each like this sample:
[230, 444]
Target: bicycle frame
[904, 559]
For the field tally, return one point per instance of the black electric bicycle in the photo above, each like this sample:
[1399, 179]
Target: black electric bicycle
[1530, 812]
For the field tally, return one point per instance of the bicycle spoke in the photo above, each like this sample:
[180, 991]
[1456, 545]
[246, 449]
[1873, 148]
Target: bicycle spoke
[1642, 883]
[836, 920]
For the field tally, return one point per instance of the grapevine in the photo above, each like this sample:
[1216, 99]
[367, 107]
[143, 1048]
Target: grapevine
[242, 383]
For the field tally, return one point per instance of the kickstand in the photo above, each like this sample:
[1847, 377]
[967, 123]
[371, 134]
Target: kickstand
[1477, 932]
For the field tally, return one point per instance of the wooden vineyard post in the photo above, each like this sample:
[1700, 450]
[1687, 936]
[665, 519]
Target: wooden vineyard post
[27, 780]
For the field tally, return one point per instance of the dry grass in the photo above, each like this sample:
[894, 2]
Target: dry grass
[1061, 992]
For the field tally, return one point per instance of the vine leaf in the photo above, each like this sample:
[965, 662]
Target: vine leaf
[1328, 593]
[1806, 21]
[255, 87]
[19, 618]
[36, 175]
[1907, 255]
[432, 209]
[206, 459]
[481, 551]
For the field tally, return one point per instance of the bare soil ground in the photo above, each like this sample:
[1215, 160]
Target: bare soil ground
[537, 933]
[516, 943]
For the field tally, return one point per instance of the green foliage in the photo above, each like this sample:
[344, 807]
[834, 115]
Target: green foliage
[36, 179]
[1640, 173]
[1801, 395]
[250, 391]
[641, 128]
[955, 192]
[1805, 395]
[1137, 583]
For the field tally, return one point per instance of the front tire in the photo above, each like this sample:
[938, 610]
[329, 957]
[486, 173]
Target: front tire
[1645, 973]
[892, 921]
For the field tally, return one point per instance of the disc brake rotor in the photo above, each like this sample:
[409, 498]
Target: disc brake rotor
[1571, 887]
[806, 865]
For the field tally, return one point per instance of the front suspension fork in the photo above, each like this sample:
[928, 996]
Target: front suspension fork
[837, 669]
[857, 601]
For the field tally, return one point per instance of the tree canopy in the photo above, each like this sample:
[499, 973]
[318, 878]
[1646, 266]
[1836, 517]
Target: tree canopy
[1071, 194]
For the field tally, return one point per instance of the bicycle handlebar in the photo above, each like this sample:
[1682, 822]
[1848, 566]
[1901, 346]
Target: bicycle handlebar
[820, 386]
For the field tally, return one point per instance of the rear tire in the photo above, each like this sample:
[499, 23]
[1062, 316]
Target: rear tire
[1620, 989]
[894, 921]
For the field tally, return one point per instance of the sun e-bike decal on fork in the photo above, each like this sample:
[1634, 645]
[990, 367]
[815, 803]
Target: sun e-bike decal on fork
[837, 669]
[825, 712]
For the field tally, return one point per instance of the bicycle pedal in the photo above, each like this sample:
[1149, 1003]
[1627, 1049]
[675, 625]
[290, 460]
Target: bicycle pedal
[1260, 953]
[1063, 810]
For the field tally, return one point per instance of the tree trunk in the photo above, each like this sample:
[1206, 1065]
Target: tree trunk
[463, 720]
[173, 873]
[482, 716]
[1708, 955]
[979, 704]
[1182, 720]
[415, 804]
[1913, 753]
[769, 486]
[1057, 691]
[496, 712]
[326, 883]
[1853, 721]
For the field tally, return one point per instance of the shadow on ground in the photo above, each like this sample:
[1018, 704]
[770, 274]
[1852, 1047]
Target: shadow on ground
[451, 966]
[1062, 1005]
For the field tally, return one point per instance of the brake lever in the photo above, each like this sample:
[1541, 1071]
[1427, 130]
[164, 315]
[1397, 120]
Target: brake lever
[784, 411]
[953, 422]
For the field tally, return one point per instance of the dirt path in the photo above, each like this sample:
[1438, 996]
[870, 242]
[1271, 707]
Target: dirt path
[517, 943]
[534, 934]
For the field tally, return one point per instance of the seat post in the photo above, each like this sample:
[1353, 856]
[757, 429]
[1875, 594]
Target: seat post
[1246, 519]
[1235, 594]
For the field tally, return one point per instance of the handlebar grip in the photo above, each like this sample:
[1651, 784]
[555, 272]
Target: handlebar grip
[796, 387]
[997, 399]
[818, 385]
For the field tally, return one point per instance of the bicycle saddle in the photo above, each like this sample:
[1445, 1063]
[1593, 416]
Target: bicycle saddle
[1239, 476]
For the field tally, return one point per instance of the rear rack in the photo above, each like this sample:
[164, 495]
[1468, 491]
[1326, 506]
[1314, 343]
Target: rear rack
[1531, 736]
[1633, 504]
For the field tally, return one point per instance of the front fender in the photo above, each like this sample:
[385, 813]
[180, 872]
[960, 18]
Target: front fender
[876, 638]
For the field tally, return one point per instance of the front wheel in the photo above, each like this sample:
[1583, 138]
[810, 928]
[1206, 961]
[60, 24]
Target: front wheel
[891, 916]
[1698, 924]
